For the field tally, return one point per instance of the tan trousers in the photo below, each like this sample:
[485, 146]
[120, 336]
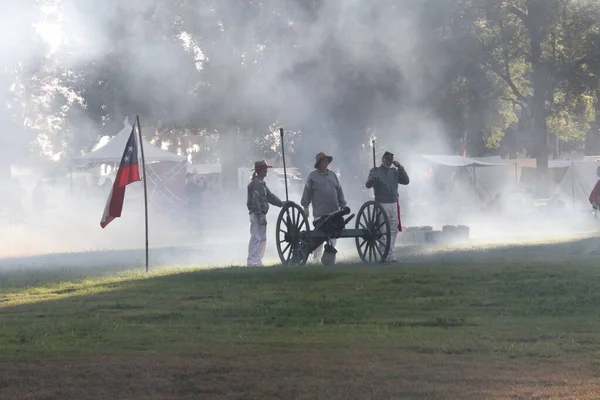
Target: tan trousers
[391, 209]
[258, 242]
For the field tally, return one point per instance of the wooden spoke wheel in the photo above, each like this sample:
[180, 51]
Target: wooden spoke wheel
[292, 235]
[374, 246]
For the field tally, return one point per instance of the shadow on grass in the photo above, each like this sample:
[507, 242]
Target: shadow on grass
[538, 311]
[437, 329]
[579, 249]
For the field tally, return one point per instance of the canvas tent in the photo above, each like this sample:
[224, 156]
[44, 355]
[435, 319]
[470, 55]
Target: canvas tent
[113, 151]
[165, 170]
[558, 171]
[484, 177]
[572, 180]
[578, 182]
[460, 161]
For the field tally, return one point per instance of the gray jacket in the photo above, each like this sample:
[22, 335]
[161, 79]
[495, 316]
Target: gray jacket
[324, 191]
[384, 182]
[259, 197]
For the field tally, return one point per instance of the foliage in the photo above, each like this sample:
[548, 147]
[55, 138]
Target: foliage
[479, 68]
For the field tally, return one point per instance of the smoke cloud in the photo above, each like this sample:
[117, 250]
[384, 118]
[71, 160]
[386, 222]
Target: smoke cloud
[334, 74]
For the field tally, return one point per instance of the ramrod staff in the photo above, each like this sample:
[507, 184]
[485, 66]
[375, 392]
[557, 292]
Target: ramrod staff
[284, 168]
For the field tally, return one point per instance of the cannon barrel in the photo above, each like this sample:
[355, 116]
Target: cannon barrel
[348, 219]
[340, 212]
[332, 216]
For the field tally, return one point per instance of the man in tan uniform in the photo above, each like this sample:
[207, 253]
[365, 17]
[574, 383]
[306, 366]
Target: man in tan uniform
[324, 192]
[384, 181]
[259, 198]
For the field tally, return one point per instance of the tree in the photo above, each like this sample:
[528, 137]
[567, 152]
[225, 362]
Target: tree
[139, 65]
[528, 45]
[21, 91]
[202, 72]
[584, 78]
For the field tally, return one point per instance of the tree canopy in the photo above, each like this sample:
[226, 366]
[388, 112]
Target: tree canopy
[216, 78]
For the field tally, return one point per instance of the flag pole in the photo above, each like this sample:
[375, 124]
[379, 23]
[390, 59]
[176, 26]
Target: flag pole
[137, 121]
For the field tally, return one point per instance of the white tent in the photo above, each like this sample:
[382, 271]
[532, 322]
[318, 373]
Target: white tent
[460, 161]
[578, 182]
[486, 176]
[559, 172]
[112, 152]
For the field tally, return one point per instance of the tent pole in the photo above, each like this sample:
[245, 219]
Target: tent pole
[71, 180]
[474, 184]
[517, 176]
[572, 186]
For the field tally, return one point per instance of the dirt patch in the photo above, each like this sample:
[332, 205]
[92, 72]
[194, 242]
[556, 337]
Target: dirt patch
[291, 374]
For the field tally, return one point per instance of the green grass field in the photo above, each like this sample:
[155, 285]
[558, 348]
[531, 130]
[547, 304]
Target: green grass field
[352, 331]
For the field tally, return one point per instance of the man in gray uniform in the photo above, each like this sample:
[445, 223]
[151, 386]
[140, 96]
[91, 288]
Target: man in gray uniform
[384, 181]
[259, 198]
[324, 192]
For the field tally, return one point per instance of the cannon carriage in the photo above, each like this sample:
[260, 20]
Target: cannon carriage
[295, 240]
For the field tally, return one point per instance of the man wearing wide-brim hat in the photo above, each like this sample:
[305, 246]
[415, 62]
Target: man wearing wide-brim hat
[384, 181]
[259, 198]
[323, 191]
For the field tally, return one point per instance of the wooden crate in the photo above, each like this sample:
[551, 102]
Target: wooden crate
[455, 234]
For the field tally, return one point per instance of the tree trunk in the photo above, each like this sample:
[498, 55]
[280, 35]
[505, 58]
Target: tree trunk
[538, 108]
[474, 124]
[597, 104]
[592, 137]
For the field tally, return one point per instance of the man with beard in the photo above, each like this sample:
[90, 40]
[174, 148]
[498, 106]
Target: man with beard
[384, 181]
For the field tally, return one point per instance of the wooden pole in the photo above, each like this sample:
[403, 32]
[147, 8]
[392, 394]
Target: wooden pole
[71, 176]
[284, 168]
[374, 161]
[572, 184]
[137, 121]
[475, 185]
[517, 177]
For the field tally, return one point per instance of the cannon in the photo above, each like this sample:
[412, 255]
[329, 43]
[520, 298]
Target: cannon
[295, 240]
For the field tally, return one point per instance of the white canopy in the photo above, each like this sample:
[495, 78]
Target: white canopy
[481, 177]
[578, 182]
[460, 161]
[113, 151]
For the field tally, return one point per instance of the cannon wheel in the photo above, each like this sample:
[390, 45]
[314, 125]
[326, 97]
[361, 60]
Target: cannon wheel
[292, 232]
[375, 246]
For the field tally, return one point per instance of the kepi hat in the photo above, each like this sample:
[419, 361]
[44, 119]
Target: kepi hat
[387, 154]
[322, 156]
[260, 165]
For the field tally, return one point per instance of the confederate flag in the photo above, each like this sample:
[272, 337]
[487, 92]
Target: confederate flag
[129, 171]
